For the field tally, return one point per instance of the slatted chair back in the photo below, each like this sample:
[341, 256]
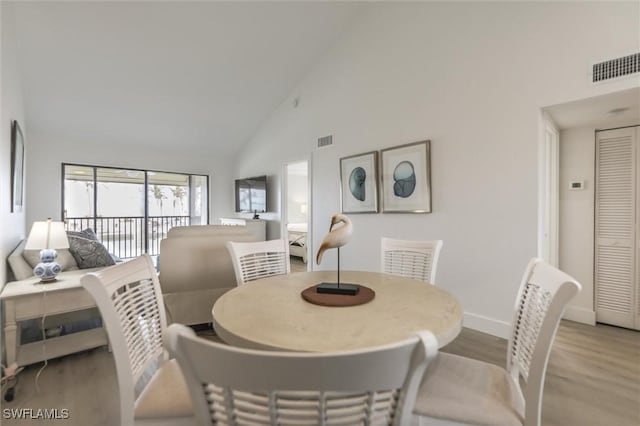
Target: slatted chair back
[544, 293]
[412, 259]
[255, 260]
[235, 386]
[129, 298]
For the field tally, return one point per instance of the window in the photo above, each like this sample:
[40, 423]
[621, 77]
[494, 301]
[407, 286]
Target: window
[132, 210]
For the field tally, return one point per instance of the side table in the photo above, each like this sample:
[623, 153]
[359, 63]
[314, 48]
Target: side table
[28, 299]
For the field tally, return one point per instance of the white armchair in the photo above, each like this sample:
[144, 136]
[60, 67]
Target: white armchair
[412, 259]
[261, 259]
[130, 301]
[458, 390]
[236, 386]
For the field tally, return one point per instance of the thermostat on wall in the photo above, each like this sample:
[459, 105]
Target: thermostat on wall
[576, 184]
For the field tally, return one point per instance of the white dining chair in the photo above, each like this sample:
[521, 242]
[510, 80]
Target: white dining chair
[130, 301]
[412, 259]
[459, 390]
[261, 259]
[236, 386]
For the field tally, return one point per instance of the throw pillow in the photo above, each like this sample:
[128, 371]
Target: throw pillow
[89, 253]
[65, 259]
[85, 233]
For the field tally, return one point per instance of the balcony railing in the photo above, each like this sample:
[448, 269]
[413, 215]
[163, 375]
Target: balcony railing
[124, 236]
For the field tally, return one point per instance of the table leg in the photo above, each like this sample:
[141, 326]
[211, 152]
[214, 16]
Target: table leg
[10, 332]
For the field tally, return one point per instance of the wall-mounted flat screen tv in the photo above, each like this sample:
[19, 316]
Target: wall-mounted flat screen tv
[251, 194]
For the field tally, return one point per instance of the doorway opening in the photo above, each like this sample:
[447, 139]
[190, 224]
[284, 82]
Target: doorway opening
[296, 214]
[578, 123]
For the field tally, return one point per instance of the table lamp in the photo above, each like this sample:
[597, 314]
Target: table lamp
[47, 236]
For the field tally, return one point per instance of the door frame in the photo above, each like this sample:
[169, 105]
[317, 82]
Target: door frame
[548, 191]
[284, 206]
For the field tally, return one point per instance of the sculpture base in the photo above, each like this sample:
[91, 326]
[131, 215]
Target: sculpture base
[335, 288]
[311, 295]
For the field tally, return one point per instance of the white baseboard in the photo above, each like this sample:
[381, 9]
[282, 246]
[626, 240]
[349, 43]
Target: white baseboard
[577, 314]
[487, 325]
[502, 329]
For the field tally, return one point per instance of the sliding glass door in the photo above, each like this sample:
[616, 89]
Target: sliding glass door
[131, 210]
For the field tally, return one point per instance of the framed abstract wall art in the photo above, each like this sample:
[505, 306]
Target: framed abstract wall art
[406, 178]
[359, 183]
[17, 167]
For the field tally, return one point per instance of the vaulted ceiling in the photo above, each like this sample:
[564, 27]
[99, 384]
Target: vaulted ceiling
[197, 74]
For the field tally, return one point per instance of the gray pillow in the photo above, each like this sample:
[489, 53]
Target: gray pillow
[85, 233]
[89, 253]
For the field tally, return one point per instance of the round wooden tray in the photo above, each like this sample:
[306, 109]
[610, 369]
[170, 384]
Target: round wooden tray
[326, 299]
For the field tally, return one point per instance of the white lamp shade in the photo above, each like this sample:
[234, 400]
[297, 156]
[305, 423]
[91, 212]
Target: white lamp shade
[45, 235]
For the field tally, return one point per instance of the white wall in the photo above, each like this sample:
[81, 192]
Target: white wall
[577, 162]
[12, 225]
[297, 186]
[471, 77]
[48, 152]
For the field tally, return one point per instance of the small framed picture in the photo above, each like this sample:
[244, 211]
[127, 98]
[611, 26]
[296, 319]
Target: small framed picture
[359, 183]
[406, 178]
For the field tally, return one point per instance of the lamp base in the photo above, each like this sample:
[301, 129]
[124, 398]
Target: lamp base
[338, 288]
[47, 269]
[47, 272]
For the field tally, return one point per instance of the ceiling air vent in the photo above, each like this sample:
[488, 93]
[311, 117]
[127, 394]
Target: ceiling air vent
[615, 68]
[325, 141]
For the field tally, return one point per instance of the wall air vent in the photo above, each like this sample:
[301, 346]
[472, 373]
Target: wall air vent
[615, 68]
[325, 141]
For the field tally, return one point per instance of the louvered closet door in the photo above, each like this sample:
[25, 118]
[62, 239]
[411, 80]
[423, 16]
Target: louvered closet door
[615, 248]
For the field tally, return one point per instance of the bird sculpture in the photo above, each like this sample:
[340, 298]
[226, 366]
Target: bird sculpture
[336, 237]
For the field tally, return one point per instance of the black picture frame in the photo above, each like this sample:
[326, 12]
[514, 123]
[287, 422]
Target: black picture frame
[17, 167]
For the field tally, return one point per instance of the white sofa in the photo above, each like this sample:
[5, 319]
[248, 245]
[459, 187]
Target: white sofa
[196, 268]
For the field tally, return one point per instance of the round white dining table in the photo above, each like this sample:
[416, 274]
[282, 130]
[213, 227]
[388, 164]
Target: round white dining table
[270, 313]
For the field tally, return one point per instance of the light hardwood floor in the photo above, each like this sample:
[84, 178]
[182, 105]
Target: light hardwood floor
[593, 379]
[297, 265]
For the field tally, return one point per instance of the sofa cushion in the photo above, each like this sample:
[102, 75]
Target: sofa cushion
[89, 253]
[19, 267]
[65, 259]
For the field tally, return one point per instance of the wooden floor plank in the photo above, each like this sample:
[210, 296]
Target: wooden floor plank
[297, 265]
[593, 379]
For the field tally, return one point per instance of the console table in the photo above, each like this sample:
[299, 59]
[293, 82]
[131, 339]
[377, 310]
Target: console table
[28, 299]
